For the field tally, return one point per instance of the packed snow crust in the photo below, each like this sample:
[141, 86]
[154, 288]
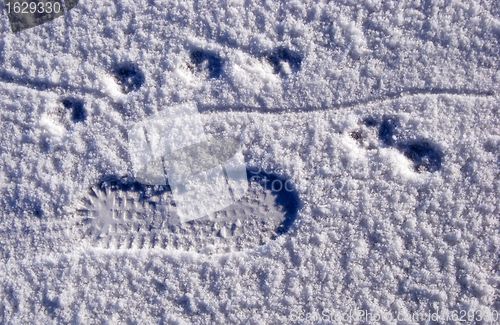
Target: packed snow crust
[383, 114]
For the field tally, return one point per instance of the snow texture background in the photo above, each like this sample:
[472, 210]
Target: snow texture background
[384, 114]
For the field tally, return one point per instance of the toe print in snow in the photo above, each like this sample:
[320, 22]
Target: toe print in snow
[121, 206]
[121, 213]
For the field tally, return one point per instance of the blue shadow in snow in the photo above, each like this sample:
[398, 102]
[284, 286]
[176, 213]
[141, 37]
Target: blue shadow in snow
[388, 130]
[211, 61]
[129, 184]
[424, 155]
[284, 190]
[78, 113]
[129, 76]
[282, 54]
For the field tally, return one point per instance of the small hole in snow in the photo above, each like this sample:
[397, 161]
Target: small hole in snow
[388, 130]
[281, 56]
[370, 121]
[207, 61]
[77, 107]
[129, 76]
[425, 155]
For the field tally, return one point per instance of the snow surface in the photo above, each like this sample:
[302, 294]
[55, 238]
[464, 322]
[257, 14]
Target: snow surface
[310, 88]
